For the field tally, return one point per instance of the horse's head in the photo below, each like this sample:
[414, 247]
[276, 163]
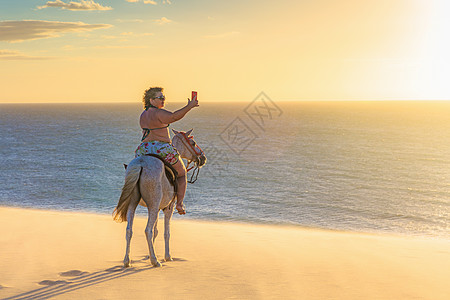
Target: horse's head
[188, 148]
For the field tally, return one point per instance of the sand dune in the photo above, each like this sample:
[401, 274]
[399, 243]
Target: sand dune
[47, 254]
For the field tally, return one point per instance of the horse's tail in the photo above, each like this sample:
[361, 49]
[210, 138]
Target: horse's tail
[131, 183]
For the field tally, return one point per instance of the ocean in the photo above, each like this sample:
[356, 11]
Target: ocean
[377, 167]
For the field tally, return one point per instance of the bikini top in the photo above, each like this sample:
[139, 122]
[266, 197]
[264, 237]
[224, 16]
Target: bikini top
[147, 131]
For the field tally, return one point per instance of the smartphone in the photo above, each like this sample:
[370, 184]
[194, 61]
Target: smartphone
[194, 95]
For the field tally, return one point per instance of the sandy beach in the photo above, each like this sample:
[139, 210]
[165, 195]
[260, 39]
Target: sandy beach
[49, 254]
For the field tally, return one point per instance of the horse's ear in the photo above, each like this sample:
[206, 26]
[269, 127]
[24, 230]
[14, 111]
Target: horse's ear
[125, 166]
[189, 132]
[174, 131]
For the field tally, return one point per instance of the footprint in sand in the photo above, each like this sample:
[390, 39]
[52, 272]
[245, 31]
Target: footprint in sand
[115, 269]
[178, 259]
[73, 273]
[53, 282]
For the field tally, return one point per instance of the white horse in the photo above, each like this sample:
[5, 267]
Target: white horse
[145, 178]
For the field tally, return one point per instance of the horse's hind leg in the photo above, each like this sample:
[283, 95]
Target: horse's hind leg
[130, 217]
[152, 217]
[155, 229]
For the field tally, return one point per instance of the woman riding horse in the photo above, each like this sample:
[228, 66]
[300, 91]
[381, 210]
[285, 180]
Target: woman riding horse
[154, 122]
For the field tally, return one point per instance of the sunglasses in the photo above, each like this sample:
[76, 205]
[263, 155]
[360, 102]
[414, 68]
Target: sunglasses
[162, 97]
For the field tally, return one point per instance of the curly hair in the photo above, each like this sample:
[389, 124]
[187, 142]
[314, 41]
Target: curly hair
[150, 94]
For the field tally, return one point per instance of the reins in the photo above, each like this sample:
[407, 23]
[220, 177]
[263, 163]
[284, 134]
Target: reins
[197, 154]
[187, 167]
[196, 171]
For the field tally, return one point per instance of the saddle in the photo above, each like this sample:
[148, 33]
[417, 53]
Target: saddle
[171, 173]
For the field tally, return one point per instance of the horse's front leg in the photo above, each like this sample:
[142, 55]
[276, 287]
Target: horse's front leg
[168, 212]
[129, 234]
[149, 230]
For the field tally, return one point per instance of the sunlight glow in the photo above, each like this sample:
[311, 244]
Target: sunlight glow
[307, 50]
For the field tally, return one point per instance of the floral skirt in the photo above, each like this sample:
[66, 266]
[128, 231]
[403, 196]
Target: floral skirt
[163, 149]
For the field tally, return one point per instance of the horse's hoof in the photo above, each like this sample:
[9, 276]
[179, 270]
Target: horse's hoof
[168, 258]
[126, 263]
[156, 264]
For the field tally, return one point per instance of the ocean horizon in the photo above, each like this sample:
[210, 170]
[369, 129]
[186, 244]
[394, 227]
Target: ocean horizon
[363, 166]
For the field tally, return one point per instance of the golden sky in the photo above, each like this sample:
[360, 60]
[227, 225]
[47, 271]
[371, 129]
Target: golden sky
[97, 51]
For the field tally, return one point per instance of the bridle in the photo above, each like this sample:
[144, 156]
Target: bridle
[197, 153]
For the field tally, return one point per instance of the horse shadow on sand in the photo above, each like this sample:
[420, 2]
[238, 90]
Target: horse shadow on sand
[75, 279]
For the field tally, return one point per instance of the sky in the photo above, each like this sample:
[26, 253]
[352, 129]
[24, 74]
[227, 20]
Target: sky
[111, 51]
